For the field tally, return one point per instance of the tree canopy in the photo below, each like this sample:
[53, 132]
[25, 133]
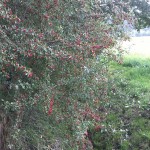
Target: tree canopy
[141, 9]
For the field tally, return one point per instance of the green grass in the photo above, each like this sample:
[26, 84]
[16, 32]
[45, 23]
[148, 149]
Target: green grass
[127, 125]
[136, 70]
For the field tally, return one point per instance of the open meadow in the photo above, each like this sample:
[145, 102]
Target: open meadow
[138, 46]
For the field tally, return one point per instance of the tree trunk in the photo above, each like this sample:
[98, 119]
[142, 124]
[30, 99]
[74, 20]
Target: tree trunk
[4, 123]
[2, 139]
[1, 130]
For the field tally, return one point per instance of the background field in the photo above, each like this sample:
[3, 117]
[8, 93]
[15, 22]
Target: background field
[138, 45]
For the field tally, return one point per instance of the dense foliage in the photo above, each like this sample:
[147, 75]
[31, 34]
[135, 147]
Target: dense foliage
[141, 9]
[53, 61]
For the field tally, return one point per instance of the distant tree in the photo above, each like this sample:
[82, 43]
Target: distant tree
[141, 9]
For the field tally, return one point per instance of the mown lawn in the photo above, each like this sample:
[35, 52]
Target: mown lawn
[127, 126]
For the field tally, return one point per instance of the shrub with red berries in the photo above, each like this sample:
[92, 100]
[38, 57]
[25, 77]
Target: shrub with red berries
[55, 55]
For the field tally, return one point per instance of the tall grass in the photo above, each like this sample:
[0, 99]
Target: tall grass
[127, 126]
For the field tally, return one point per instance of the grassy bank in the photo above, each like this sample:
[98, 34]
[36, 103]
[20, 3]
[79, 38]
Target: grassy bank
[127, 125]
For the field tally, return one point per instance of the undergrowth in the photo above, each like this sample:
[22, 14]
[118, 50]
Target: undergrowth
[127, 125]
